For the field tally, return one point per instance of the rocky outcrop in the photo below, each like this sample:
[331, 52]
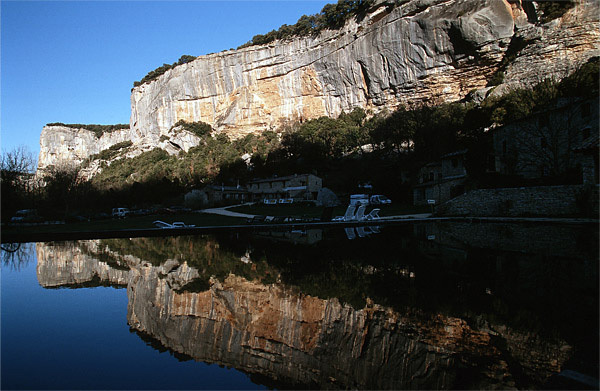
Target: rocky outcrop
[418, 52]
[62, 145]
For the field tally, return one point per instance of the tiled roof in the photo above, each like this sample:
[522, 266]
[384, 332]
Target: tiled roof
[281, 178]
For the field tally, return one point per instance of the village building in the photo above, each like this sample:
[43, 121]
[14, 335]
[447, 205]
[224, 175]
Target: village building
[560, 142]
[298, 187]
[441, 180]
[213, 195]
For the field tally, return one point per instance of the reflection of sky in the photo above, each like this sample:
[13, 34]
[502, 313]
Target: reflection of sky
[79, 338]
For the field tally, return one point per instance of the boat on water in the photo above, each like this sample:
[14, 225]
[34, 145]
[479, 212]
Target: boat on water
[177, 224]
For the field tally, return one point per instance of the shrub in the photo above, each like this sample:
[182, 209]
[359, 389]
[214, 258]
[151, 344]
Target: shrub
[199, 128]
[331, 17]
[162, 69]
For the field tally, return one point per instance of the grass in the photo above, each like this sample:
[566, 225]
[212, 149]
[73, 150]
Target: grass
[135, 222]
[310, 210]
[203, 219]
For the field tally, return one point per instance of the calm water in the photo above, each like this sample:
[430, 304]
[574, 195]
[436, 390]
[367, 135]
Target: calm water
[429, 306]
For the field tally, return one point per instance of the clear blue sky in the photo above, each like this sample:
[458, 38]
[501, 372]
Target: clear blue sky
[76, 61]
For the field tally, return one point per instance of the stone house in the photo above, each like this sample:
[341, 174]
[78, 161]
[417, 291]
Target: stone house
[441, 180]
[298, 186]
[560, 141]
[224, 195]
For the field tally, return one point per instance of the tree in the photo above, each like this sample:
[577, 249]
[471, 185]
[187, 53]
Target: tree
[17, 180]
[61, 188]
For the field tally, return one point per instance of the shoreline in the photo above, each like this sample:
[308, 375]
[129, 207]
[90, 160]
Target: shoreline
[25, 237]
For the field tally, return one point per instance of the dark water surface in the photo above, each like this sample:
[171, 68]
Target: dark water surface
[419, 306]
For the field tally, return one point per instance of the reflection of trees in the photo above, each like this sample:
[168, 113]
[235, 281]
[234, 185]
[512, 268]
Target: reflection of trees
[16, 255]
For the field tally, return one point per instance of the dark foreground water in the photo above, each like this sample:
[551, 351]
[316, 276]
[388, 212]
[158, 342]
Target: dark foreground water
[426, 306]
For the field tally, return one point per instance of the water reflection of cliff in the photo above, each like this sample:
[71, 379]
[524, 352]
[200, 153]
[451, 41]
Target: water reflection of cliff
[359, 314]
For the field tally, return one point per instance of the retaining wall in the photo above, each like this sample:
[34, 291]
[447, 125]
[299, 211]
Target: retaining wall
[577, 200]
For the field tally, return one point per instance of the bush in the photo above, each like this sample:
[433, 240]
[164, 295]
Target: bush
[199, 128]
[162, 69]
[331, 17]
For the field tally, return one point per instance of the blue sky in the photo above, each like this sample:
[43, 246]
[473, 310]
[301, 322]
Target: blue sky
[76, 61]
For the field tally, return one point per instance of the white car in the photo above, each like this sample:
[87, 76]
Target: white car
[379, 199]
[120, 212]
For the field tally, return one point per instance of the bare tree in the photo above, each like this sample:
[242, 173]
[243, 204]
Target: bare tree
[17, 180]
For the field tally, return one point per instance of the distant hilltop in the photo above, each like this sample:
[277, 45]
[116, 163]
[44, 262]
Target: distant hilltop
[389, 54]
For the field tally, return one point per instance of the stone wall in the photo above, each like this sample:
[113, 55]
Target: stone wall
[525, 201]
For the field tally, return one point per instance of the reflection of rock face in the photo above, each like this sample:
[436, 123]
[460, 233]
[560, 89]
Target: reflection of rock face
[306, 341]
[296, 339]
[299, 340]
[68, 265]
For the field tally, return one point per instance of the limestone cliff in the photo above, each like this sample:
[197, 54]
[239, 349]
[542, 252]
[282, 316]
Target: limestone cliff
[416, 52]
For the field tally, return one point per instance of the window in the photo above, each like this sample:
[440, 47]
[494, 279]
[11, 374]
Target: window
[455, 162]
[431, 176]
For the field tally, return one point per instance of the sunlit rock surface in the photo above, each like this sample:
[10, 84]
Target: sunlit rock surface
[420, 52]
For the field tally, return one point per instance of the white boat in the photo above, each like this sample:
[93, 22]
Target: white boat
[177, 224]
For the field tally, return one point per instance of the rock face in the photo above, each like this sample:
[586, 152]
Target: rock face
[418, 52]
[64, 145]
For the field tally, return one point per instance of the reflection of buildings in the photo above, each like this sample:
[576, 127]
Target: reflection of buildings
[301, 341]
[305, 236]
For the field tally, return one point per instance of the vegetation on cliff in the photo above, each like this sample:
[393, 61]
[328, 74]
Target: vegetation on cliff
[162, 69]
[199, 128]
[331, 17]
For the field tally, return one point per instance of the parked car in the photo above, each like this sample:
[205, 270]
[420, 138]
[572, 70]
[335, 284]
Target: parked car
[120, 212]
[379, 199]
[25, 216]
[364, 199]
